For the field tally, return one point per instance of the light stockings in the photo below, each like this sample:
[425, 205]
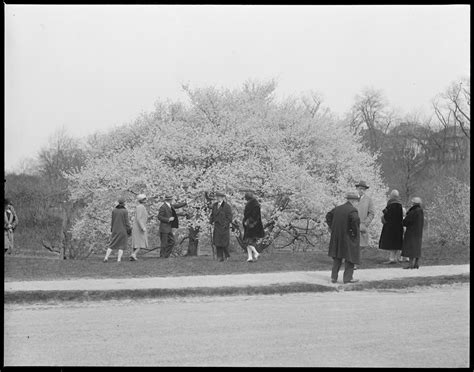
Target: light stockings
[251, 249]
[107, 254]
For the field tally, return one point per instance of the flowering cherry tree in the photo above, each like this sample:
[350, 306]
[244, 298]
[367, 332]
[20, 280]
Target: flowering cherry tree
[298, 161]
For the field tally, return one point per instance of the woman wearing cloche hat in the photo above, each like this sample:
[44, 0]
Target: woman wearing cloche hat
[120, 230]
[139, 231]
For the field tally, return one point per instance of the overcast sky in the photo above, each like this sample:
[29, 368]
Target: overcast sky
[91, 67]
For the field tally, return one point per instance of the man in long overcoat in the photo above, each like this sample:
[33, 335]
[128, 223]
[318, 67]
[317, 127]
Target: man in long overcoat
[139, 230]
[120, 230]
[221, 218]
[253, 227]
[391, 237]
[168, 224]
[412, 240]
[343, 222]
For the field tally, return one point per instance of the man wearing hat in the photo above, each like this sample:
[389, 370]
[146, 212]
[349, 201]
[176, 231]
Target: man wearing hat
[139, 230]
[221, 218]
[168, 224]
[343, 222]
[366, 212]
[120, 229]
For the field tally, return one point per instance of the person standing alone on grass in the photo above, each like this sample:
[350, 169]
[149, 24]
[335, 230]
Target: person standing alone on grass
[221, 218]
[9, 225]
[412, 240]
[343, 222]
[391, 238]
[139, 231]
[366, 211]
[168, 225]
[120, 229]
[253, 227]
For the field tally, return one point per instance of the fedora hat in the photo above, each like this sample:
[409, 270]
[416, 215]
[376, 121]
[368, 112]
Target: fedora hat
[168, 197]
[121, 200]
[362, 184]
[352, 195]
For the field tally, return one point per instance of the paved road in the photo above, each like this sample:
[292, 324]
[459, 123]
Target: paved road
[407, 328]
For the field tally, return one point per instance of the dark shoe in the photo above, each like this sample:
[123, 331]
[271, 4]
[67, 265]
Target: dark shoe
[106, 260]
[408, 267]
[221, 260]
[389, 262]
[416, 266]
[333, 280]
[132, 258]
[355, 267]
[352, 281]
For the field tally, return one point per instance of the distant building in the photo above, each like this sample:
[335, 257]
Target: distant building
[449, 144]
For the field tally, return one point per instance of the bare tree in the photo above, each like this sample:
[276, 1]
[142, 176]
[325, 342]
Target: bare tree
[406, 156]
[458, 104]
[452, 111]
[63, 155]
[313, 103]
[371, 116]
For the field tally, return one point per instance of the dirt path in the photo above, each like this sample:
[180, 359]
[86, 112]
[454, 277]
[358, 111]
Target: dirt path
[409, 328]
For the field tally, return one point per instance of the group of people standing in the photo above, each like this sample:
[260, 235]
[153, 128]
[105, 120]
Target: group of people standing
[121, 228]
[394, 239]
[349, 222]
[221, 218]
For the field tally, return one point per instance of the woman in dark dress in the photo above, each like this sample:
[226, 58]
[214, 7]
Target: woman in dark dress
[253, 227]
[412, 240]
[391, 238]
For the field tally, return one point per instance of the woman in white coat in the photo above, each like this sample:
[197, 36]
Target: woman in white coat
[139, 230]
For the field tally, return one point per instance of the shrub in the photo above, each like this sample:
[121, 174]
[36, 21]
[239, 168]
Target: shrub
[450, 212]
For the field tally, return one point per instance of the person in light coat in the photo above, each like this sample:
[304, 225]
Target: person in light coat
[366, 213]
[139, 229]
[9, 226]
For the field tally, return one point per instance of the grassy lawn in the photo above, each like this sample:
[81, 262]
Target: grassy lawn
[50, 268]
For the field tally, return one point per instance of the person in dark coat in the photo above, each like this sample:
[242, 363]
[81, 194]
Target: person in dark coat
[412, 240]
[221, 218]
[253, 227]
[391, 238]
[168, 225]
[343, 222]
[120, 230]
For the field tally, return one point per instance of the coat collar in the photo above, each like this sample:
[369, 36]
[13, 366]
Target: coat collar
[416, 206]
[394, 200]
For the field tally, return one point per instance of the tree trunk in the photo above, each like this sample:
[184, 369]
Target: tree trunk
[193, 241]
